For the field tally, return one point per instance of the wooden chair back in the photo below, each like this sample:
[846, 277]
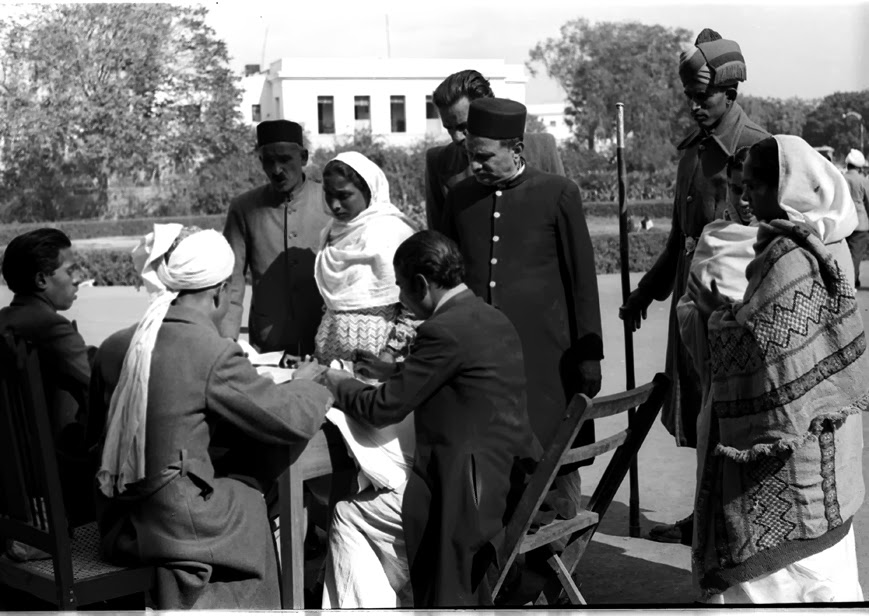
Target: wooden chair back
[647, 399]
[32, 511]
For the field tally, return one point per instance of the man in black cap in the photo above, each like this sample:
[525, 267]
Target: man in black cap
[447, 165]
[274, 230]
[710, 73]
[528, 253]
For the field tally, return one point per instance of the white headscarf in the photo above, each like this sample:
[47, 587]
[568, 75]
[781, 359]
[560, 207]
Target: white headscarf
[354, 265]
[200, 260]
[812, 191]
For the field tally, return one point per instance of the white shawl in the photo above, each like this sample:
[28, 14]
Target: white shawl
[354, 264]
[200, 260]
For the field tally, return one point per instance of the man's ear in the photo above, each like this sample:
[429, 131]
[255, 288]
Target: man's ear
[730, 93]
[40, 281]
[303, 155]
[519, 148]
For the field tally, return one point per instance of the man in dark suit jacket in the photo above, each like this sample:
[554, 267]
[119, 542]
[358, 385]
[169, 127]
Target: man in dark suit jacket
[38, 267]
[465, 378]
[447, 165]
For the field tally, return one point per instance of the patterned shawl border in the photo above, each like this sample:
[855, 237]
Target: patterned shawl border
[717, 581]
[778, 397]
[837, 418]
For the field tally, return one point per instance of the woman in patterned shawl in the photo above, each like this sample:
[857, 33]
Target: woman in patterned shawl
[782, 477]
[354, 264]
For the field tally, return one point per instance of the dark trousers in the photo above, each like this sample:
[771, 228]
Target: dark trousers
[858, 242]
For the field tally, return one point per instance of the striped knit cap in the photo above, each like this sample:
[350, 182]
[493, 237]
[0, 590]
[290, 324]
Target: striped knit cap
[713, 60]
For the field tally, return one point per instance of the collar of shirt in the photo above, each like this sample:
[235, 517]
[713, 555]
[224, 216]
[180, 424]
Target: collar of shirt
[506, 183]
[722, 134]
[449, 295]
[281, 198]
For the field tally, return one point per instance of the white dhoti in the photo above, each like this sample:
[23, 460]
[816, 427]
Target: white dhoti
[829, 576]
[366, 566]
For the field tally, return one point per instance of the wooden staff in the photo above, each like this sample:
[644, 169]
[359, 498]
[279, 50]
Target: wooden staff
[634, 499]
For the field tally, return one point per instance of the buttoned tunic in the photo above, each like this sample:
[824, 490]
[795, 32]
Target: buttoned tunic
[276, 236]
[701, 194]
[528, 253]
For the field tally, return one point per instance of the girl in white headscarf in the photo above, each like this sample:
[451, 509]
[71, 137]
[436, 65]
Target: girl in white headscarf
[354, 265]
[782, 477]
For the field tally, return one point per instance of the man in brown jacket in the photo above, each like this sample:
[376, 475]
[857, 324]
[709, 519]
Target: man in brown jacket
[710, 73]
[274, 231]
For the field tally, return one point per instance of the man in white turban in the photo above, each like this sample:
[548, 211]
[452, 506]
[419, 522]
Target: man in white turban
[162, 499]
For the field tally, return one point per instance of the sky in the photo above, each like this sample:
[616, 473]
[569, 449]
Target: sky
[796, 48]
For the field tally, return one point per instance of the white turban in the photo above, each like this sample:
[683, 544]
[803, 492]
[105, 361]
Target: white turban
[199, 261]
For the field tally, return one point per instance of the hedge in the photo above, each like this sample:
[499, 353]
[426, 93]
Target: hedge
[94, 229]
[115, 267]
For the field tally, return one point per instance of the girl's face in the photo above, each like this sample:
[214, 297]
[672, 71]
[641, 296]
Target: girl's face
[762, 197]
[740, 210]
[344, 199]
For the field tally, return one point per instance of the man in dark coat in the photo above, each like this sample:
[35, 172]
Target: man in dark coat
[168, 385]
[464, 379]
[274, 231]
[528, 253]
[38, 268]
[710, 74]
[447, 165]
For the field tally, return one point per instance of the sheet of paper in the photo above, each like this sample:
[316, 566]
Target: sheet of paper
[278, 375]
[260, 359]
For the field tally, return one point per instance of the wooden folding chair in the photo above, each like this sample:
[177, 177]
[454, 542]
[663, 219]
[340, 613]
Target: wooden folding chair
[31, 502]
[581, 528]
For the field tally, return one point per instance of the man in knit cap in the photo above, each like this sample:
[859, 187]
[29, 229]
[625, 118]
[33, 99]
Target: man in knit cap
[858, 241]
[710, 72]
[274, 231]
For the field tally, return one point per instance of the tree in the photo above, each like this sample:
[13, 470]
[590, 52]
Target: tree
[825, 125]
[95, 91]
[637, 64]
[779, 116]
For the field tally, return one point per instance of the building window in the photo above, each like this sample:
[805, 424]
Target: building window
[278, 110]
[256, 113]
[362, 107]
[396, 109]
[552, 123]
[326, 115]
[430, 112]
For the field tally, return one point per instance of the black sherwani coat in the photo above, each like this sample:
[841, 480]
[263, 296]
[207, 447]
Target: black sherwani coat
[464, 377]
[528, 253]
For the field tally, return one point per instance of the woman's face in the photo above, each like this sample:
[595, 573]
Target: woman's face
[344, 199]
[762, 197]
[739, 208]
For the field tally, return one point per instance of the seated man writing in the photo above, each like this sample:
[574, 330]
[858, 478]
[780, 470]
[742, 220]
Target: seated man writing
[465, 380]
[38, 268]
[162, 501]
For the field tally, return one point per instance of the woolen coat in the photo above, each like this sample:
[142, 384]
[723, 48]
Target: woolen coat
[276, 238]
[207, 533]
[528, 253]
[447, 165]
[465, 379]
[701, 194]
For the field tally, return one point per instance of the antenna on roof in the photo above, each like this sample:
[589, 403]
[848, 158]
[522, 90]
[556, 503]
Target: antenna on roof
[388, 46]
[265, 38]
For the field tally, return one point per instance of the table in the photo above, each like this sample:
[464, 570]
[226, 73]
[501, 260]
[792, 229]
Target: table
[325, 454]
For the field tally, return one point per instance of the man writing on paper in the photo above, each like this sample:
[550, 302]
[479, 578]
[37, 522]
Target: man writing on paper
[465, 380]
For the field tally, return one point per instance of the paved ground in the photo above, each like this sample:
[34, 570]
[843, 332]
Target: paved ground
[616, 568]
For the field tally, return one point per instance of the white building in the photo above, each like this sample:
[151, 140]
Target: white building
[334, 97]
[552, 116]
